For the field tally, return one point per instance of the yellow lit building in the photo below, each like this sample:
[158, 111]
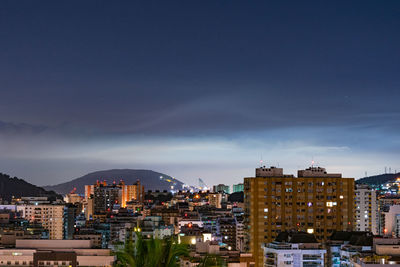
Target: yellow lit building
[315, 202]
[132, 192]
[127, 192]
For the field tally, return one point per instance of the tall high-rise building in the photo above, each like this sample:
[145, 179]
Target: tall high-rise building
[105, 197]
[365, 209]
[315, 202]
[131, 192]
[238, 188]
[70, 213]
[50, 216]
[221, 188]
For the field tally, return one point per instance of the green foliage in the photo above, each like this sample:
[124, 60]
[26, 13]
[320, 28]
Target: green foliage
[150, 252]
[212, 261]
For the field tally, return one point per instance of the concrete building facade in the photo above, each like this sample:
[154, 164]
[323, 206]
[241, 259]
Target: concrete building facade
[366, 209]
[315, 202]
[55, 253]
[51, 217]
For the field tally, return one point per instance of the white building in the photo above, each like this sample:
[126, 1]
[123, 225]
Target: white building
[55, 253]
[366, 209]
[297, 249]
[386, 253]
[50, 216]
[163, 232]
[391, 221]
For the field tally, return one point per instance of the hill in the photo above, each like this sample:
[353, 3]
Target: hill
[150, 179]
[13, 186]
[378, 179]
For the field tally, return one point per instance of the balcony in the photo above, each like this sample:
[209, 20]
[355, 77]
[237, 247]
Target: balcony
[312, 258]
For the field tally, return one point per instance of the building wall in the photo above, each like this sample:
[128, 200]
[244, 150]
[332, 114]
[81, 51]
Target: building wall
[365, 209]
[105, 197]
[240, 236]
[237, 188]
[50, 216]
[294, 257]
[75, 257]
[132, 192]
[390, 225]
[215, 199]
[221, 188]
[318, 205]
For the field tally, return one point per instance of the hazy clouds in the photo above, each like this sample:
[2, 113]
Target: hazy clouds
[197, 89]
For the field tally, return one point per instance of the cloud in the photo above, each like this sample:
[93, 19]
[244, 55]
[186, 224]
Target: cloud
[9, 128]
[213, 158]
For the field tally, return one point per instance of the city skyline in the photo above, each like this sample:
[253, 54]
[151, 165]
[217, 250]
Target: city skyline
[198, 90]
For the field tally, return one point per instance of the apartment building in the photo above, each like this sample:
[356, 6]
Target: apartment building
[366, 209]
[315, 202]
[294, 249]
[51, 217]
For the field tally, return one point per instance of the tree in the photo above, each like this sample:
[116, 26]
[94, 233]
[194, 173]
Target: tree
[150, 252]
[212, 261]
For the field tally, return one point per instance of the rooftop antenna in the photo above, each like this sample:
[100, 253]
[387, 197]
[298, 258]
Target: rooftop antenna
[312, 162]
[385, 169]
[261, 161]
[366, 174]
[390, 169]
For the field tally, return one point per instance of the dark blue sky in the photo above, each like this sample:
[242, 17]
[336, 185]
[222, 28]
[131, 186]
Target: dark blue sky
[198, 88]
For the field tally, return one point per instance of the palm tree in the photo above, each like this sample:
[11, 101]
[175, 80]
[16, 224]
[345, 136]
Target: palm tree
[211, 260]
[150, 252]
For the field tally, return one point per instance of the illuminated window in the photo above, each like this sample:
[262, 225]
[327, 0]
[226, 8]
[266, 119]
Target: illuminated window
[329, 204]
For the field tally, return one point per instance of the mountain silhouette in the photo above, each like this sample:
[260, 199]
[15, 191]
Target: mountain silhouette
[15, 187]
[150, 179]
[378, 179]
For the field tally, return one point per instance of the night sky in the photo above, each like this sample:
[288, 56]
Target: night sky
[198, 88]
